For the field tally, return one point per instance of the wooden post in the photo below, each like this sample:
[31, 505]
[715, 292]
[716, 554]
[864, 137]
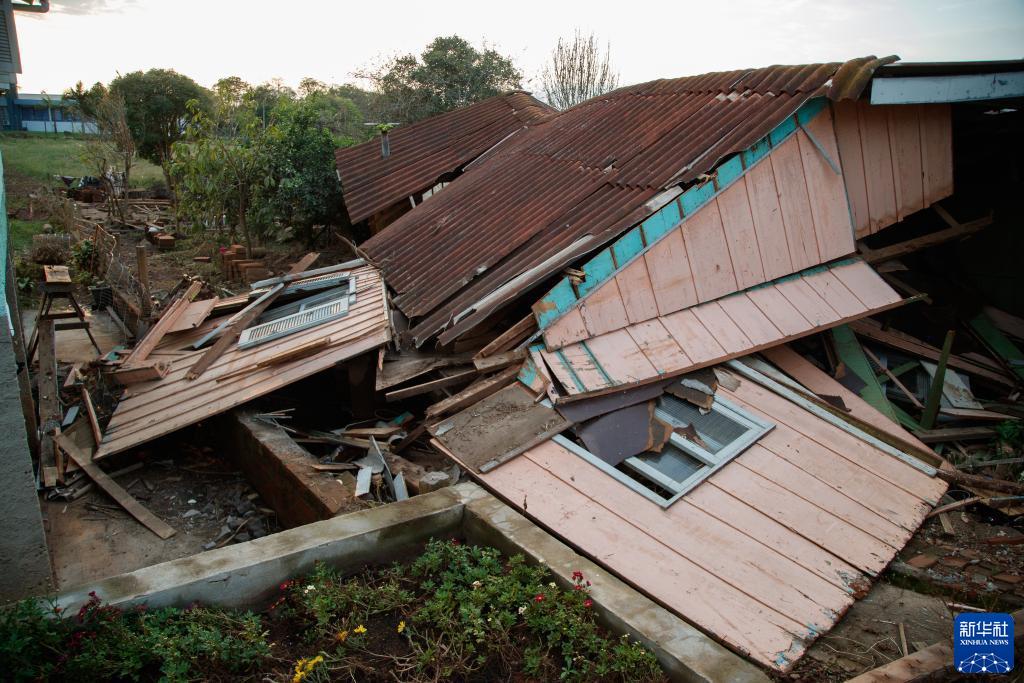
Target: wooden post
[49, 401]
[931, 406]
[145, 301]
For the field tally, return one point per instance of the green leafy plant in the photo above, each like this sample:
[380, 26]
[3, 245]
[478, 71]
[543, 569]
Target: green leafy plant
[82, 254]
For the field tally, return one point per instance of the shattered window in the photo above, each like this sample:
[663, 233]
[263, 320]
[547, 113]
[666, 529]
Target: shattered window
[701, 442]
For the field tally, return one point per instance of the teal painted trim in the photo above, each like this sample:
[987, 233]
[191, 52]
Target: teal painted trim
[528, 373]
[661, 222]
[628, 246]
[696, 197]
[559, 300]
[604, 265]
[598, 269]
[600, 368]
[568, 368]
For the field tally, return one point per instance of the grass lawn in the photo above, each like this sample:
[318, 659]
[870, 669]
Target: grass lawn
[42, 156]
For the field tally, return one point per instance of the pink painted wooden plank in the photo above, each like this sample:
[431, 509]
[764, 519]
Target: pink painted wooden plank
[760, 528]
[866, 284]
[860, 549]
[796, 207]
[847, 129]
[757, 571]
[663, 574]
[771, 232]
[659, 346]
[572, 366]
[742, 311]
[937, 151]
[804, 299]
[603, 310]
[734, 208]
[800, 483]
[699, 344]
[830, 209]
[722, 328]
[905, 142]
[621, 358]
[829, 288]
[874, 139]
[709, 253]
[637, 291]
[827, 437]
[846, 477]
[778, 309]
[565, 330]
[670, 274]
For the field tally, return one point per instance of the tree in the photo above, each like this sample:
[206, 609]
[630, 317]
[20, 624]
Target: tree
[111, 152]
[83, 101]
[450, 73]
[578, 72]
[156, 106]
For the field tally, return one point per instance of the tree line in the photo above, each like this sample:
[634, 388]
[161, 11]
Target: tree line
[259, 159]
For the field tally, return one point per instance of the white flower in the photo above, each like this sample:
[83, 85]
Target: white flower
[476, 584]
[552, 584]
[522, 609]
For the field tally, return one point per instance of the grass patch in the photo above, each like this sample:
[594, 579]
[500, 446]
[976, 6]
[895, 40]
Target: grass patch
[22, 232]
[42, 156]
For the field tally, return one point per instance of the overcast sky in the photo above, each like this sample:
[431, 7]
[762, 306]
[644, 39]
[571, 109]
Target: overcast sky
[93, 40]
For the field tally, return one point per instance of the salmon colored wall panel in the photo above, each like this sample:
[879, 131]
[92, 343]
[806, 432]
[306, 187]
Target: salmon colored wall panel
[771, 232]
[847, 128]
[603, 310]
[621, 357]
[804, 299]
[866, 284]
[709, 253]
[658, 345]
[937, 151]
[874, 137]
[829, 288]
[905, 142]
[778, 309]
[742, 311]
[726, 332]
[695, 340]
[795, 203]
[734, 208]
[573, 367]
[637, 291]
[829, 207]
[671, 278]
[565, 330]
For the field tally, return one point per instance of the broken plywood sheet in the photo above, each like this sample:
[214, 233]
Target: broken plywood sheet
[955, 390]
[193, 315]
[622, 433]
[496, 429]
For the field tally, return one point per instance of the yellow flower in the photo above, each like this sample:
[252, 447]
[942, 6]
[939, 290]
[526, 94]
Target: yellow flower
[359, 629]
[341, 636]
[401, 626]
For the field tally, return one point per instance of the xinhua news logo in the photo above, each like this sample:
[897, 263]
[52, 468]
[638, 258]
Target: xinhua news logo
[983, 643]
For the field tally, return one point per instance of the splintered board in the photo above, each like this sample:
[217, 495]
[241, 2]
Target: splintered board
[498, 428]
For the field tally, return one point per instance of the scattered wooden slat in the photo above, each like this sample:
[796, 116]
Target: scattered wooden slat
[90, 411]
[474, 393]
[284, 357]
[931, 406]
[49, 400]
[971, 464]
[145, 371]
[373, 431]
[954, 434]
[892, 376]
[114, 490]
[193, 315]
[1006, 350]
[987, 483]
[852, 355]
[930, 240]
[1009, 324]
[410, 366]
[499, 360]
[510, 337]
[426, 387]
[163, 326]
[334, 467]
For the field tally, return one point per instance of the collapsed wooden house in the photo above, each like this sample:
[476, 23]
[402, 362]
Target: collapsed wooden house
[625, 260]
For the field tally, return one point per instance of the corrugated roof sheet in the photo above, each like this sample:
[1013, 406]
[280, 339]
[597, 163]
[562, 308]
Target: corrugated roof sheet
[590, 170]
[424, 151]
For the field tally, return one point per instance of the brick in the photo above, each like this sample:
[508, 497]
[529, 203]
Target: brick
[1009, 578]
[954, 562]
[922, 561]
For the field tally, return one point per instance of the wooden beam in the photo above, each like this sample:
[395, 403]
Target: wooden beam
[892, 376]
[931, 406]
[427, 387]
[114, 490]
[49, 399]
[499, 360]
[510, 337]
[298, 352]
[955, 434]
[930, 240]
[90, 412]
[148, 343]
[474, 393]
[145, 371]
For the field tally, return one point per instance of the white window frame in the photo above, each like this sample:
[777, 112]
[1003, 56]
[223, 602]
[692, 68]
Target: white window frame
[755, 429]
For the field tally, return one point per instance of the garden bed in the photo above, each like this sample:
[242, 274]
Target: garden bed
[454, 612]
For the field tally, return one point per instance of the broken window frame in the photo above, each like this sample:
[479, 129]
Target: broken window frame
[755, 428]
[344, 292]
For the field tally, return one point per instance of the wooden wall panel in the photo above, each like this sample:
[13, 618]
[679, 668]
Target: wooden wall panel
[848, 138]
[603, 311]
[734, 208]
[796, 207]
[637, 291]
[708, 249]
[874, 143]
[771, 232]
[905, 142]
[669, 270]
[829, 206]
[937, 151]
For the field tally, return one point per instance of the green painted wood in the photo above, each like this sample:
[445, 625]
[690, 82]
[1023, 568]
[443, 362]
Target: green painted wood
[999, 343]
[931, 405]
[852, 355]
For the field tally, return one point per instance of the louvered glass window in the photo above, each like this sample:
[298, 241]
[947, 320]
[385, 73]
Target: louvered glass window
[299, 315]
[702, 443]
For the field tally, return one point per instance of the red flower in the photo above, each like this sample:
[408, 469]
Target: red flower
[286, 585]
[577, 587]
[588, 603]
[577, 575]
[455, 541]
[539, 598]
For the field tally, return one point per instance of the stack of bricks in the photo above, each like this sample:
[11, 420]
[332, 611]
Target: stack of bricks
[236, 265]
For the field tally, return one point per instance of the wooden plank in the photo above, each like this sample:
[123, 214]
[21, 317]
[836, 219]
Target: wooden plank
[847, 128]
[767, 215]
[998, 343]
[499, 360]
[1009, 324]
[827, 196]
[738, 221]
[624, 361]
[874, 137]
[839, 297]
[167, 321]
[726, 332]
[146, 371]
[853, 358]
[814, 308]
[637, 291]
[660, 348]
[473, 393]
[433, 385]
[777, 308]
[930, 240]
[892, 376]
[566, 330]
[576, 367]
[48, 397]
[511, 337]
[287, 356]
[905, 142]
[955, 391]
[90, 412]
[670, 273]
[742, 311]
[865, 284]
[708, 252]
[937, 151]
[795, 203]
[193, 315]
[603, 310]
[114, 490]
[691, 335]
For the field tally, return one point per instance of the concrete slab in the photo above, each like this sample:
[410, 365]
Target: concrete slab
[73, 346]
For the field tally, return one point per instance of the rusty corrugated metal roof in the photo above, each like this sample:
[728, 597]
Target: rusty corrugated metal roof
[588, 171]
[424, 151]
